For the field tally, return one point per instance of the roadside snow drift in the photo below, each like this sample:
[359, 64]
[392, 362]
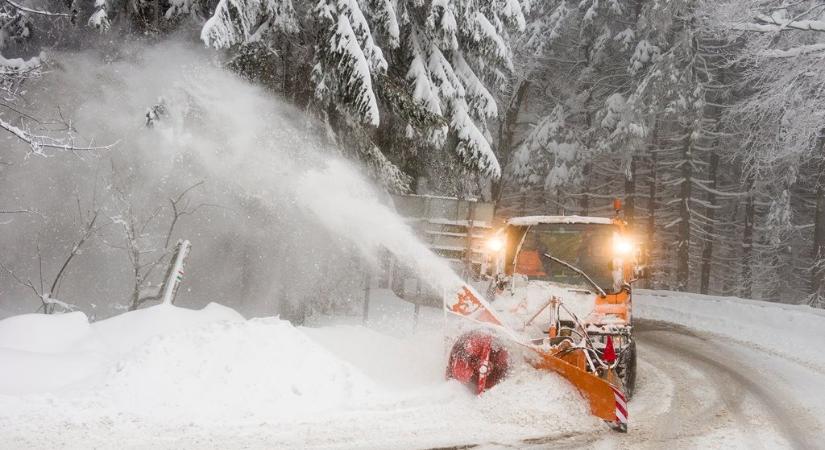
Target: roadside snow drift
[171, 377]
[793, 331]
[46, 352]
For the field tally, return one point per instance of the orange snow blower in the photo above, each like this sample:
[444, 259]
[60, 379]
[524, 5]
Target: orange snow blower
[480, 359]
[546, 272]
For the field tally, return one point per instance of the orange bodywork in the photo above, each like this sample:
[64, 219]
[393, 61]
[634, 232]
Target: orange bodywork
[617, 304]
[529, 263]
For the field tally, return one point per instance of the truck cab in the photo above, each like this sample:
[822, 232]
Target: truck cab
[556, 275]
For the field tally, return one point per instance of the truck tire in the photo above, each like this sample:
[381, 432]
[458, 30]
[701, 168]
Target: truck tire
[627, 372]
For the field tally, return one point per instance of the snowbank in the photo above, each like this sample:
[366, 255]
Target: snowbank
[43, 333]
[41, 353]
[126, 331]
[166, 377]
[229, 372]
[792, 331]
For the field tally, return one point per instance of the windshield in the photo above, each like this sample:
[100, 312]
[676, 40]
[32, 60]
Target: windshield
[586, 246]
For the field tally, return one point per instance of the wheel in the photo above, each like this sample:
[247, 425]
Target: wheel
[478, 360]
[626, 369]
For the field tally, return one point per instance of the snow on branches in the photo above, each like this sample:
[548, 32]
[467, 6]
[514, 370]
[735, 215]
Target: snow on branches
[100, 18]
[554, 151]
[424, 90]
[782, 61]
[458, 46]
[346, 59]
[450, 52]
[241, 21]
[354, 71]
[473, 146]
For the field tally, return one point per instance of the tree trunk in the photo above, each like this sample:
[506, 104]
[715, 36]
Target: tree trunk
[710, 212]
[506, 134]
[818, 271]
[630, 193]
[651, 199]
[746, 283]
[286, 57]
[135, 301]
[585, 202]
[367, 281]
[727, 287]
[818, 268]
[685, 193]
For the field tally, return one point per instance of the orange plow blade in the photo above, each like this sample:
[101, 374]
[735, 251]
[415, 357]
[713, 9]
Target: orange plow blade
[606, 401]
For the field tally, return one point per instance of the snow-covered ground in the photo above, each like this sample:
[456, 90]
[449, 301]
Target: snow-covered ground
[168, 377]
[171, 377]
[792, 331]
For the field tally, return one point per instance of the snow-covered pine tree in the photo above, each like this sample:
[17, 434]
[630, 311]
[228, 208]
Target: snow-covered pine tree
[240, 21]
[448, 52]
[571, 51]
[346, 56]
[780, 112]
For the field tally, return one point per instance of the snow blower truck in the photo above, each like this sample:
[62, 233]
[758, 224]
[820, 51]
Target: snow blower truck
[559, 289]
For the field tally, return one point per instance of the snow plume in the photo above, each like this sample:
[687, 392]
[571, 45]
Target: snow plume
[281, 217]
[350, 208]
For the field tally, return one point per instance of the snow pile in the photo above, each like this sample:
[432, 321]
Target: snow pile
[233, 371]
[41, 352]
[787, 330]
[43, 333]
[125, 332]
[169, 377]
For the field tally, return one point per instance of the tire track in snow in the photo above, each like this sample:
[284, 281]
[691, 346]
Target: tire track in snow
[735, 380]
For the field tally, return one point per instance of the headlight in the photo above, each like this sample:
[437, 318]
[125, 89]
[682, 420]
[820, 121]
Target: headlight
[622, 246]
[495, 244]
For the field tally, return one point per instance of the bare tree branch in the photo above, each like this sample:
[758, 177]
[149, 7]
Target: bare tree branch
[137, 250]
[769, 24]
[87, 233]
[19, 211]
[795, 51]
[39, 142]
[27, 283]
[37, 11]
[178, 213]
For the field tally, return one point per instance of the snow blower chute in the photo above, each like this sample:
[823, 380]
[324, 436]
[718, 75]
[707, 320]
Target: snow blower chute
[545, 272]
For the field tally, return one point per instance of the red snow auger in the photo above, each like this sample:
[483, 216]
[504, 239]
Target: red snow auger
[547, 271]
[478, 360]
